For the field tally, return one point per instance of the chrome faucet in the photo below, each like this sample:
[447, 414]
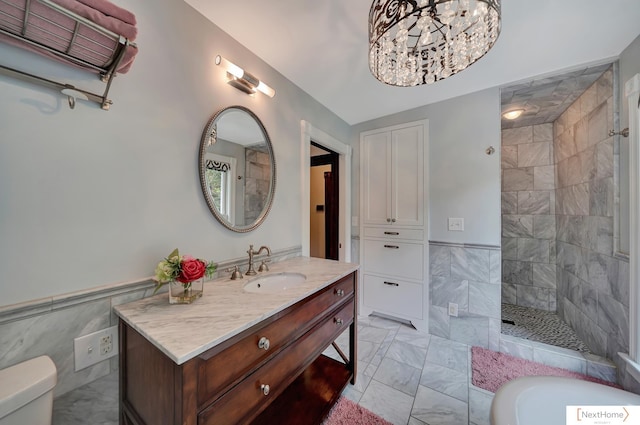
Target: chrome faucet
[250, 271]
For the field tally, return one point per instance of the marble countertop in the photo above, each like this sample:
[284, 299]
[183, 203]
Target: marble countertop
[183, 331]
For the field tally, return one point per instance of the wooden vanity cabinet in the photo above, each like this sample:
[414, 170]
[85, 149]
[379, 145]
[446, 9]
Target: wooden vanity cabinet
[246, 380]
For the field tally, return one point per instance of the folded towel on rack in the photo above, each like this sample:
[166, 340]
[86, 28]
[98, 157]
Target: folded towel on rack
[55, 30]
[111, 9]
[112, 23]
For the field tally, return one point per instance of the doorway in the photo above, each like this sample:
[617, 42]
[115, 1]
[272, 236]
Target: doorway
[324, 205]
[345, 152]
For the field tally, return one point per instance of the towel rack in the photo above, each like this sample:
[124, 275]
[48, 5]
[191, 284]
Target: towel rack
[72, 43]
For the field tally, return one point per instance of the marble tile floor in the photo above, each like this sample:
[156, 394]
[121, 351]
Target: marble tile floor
[541, 326]
[93, 404]
[405, 376]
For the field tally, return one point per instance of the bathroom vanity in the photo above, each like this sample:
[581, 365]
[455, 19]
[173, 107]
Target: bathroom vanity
[238, 357]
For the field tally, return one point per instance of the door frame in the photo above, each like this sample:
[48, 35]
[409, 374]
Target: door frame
[309, 133]
[632, 91]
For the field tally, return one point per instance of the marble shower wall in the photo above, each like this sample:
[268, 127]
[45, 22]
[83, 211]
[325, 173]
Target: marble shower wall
[257, 183]
[528, 217]
[468, 275]
[593, 285]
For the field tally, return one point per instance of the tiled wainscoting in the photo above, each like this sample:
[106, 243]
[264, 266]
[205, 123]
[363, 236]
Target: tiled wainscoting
[469, 276]
[48, 326]
[405, 376]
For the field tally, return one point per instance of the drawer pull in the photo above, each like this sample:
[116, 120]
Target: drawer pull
[265, 389]
[391, 283]
[264, 344]
[338, 321]
[392, 233]
[339, 292]
[392, 246]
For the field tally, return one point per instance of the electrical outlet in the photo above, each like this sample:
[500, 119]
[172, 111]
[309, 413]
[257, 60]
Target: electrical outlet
[106, 344]
[95, 347]
[456, 224]
[453, 309]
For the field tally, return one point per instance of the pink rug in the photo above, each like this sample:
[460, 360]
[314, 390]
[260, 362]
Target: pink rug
[490, 370]
[346, 412]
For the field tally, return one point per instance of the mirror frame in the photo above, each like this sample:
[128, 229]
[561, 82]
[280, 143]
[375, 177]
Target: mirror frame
[204, 142]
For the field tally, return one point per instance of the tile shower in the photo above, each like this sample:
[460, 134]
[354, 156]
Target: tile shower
[558, 199]
[528, 217]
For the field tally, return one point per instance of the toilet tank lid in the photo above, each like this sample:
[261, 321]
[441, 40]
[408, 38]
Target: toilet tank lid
[24, 382]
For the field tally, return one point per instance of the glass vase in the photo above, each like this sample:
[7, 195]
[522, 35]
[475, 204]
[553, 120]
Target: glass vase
[185, 293]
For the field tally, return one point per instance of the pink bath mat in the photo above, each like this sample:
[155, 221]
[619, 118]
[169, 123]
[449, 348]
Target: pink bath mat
[490, 370]
[346, 412]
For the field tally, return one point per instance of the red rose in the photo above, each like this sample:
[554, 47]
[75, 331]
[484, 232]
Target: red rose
[191, 269]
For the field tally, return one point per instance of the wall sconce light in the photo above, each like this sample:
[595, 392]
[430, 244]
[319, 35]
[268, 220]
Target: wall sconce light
[513, 114]
[242, 80]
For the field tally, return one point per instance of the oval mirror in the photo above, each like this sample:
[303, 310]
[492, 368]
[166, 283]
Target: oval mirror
[237, 168]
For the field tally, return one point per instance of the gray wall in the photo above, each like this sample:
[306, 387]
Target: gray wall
[463, 180]
[92, 198]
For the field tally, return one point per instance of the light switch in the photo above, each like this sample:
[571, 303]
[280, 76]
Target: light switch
[456, 224]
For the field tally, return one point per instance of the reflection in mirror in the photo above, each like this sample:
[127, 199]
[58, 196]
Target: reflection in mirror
[237, 168]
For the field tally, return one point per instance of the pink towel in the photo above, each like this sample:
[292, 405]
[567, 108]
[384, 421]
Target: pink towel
[111, 9]
[90, 45]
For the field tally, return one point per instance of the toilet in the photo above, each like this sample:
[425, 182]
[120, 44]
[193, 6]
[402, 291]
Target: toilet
[26, 392]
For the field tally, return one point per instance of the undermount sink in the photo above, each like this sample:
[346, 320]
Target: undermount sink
[274, 282]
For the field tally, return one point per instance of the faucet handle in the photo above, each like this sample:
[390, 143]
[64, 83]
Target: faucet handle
[263, 266]
[235, 273]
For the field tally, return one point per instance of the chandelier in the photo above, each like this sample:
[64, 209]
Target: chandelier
[413, 42]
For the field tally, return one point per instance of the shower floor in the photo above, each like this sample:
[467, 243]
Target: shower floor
[541, 326]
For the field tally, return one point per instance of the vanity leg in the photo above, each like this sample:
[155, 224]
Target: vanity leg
[353, 334]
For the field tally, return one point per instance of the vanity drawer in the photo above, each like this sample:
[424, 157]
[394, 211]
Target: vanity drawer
[247, 399]
[401, 259]
[393, 233]
[219, 370]
[393, 296]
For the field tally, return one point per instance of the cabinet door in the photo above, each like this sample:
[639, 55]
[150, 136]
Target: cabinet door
[376, 178]
[407, 194]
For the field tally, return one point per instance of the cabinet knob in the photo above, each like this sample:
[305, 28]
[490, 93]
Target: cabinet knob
[388, 220]
[393, 220]
[265, 389]
[264, 344]
[338, 321]
[339, 292]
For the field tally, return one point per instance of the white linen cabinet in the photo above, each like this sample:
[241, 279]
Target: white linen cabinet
[393, 206]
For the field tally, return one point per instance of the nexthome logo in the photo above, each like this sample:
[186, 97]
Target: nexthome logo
[603, 415]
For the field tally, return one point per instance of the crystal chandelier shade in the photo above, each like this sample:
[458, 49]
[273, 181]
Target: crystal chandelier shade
[413, 42]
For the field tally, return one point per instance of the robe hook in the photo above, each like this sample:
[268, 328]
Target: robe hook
[623, 133]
